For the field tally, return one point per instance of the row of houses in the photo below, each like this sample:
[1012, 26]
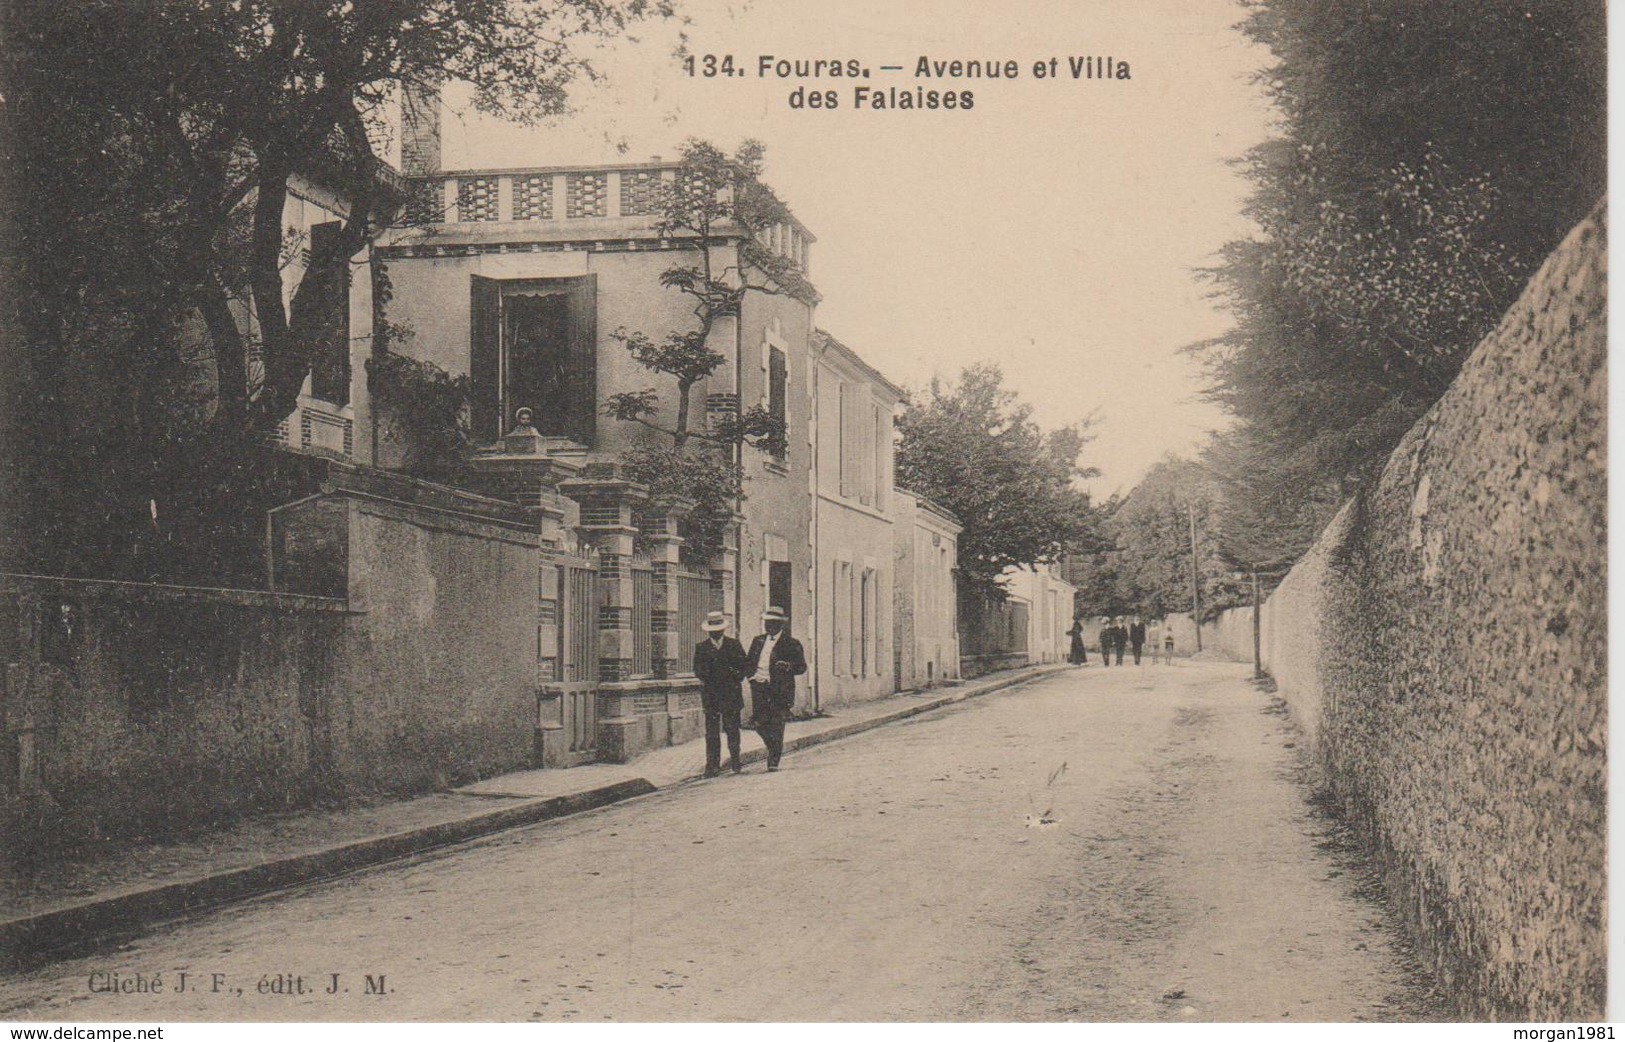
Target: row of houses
[539, 607]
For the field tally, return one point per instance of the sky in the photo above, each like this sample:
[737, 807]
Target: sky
[1056, 228]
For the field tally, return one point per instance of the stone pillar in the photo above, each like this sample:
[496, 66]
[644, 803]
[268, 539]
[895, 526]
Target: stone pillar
[725, 577]
[608, 504]
[660, 532]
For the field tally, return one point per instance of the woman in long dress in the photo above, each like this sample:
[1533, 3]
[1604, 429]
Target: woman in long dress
[1077, 656]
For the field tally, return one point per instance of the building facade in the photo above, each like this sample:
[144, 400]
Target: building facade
[926, 554]
[853, 518]
[1047, 598]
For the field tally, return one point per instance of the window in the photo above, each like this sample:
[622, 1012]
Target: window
[882, 444]
[778, 587]
[777, 375]
[843, 441]
[330, 360]
[534, 345]
[841, 581]
[869, 651]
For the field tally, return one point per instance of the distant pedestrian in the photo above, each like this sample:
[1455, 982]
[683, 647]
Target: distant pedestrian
[1106, 642]
[1119, 639]
[721, 666]
[1077, 655]
[1136, 637]
[775, 660]
[1168, 645]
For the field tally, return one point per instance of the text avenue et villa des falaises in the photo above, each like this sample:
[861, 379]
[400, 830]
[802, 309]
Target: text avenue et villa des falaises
[935, 86]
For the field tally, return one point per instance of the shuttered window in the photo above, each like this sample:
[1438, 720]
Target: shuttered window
[330, 358]
[533, 345]
[776, 391]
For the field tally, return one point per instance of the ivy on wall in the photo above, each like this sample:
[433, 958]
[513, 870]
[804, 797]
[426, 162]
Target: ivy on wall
[424, 410]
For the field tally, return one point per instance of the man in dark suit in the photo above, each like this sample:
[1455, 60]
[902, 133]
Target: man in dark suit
[1136, 637]
[775, 660]
[720, 665]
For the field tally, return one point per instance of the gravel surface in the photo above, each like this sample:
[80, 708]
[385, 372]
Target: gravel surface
[1106, 844]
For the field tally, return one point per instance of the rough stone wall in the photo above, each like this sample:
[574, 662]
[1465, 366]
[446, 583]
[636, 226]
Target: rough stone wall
[1445, 642]
[153, 709]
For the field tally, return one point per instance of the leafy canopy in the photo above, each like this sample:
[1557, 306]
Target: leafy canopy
[973, 448]
[1430, 156]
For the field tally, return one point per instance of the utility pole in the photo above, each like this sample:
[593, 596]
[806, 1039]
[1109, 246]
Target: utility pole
[1196, 588]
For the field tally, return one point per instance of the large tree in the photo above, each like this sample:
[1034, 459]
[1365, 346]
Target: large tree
[148, 147]
[1430, 156]
[1168, 536]
[973, 447]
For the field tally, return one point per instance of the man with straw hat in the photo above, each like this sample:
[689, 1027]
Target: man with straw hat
[720, 665]
[775, 660]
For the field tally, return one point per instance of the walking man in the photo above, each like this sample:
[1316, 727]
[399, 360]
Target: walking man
[1119, 638]
[1136, 637]
[1106, 642]
[721, 666]
[775, 660]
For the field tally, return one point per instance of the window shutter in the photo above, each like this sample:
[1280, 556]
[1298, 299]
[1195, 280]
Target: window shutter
[485, 359]
[330, 361]
[776, 390]
[582, 422]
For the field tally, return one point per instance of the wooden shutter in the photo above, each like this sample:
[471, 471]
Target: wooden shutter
[776, 390]
[485, 358]
[582, 407]
[330, 361]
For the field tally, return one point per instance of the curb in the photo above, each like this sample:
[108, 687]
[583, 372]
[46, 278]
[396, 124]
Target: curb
[40, 938]
[33, 940]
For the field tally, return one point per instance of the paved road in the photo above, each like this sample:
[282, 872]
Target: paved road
[1106, 844]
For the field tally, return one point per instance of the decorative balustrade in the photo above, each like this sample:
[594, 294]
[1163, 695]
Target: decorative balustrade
[567, 194]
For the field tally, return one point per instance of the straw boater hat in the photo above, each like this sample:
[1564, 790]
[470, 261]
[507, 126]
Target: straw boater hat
[775, 613]
[715, 622]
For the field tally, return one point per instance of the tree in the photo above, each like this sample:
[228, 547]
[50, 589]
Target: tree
[148, 149]
[1430, 157]
[1153, 530]
[714, 202]
[973, 448]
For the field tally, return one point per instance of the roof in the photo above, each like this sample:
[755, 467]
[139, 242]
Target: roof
[821, 341]
[938, 511]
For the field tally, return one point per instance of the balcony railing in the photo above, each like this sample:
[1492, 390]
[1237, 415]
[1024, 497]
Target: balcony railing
[565, 194]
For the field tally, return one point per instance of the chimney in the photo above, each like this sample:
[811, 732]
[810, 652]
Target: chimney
[420, 128]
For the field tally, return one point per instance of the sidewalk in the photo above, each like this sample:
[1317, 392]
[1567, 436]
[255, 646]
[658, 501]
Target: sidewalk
[126, 888]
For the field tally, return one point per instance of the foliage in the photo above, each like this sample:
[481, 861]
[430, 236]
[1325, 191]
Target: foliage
[1152, 531]
[973, 448]
[1430, 156]
[147, 149]
[715, 201]
[424, 409]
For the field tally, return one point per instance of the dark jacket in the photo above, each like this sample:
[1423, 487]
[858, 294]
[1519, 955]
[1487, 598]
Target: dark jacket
[1136, 634]
[721, 670]
[789, 661]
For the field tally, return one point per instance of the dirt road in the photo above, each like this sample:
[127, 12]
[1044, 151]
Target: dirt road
[1106, 844]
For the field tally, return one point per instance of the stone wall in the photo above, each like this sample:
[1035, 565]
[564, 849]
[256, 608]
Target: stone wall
[138, 709]
[1445, 644]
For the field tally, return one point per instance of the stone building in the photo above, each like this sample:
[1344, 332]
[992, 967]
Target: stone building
[926, 552]
[853, 518]
[519, 280]
[1047, 599]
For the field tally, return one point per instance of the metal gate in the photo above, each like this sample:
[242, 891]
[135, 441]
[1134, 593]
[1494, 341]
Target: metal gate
[578, 653]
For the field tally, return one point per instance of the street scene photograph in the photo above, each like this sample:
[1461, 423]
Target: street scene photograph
[752, 512]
